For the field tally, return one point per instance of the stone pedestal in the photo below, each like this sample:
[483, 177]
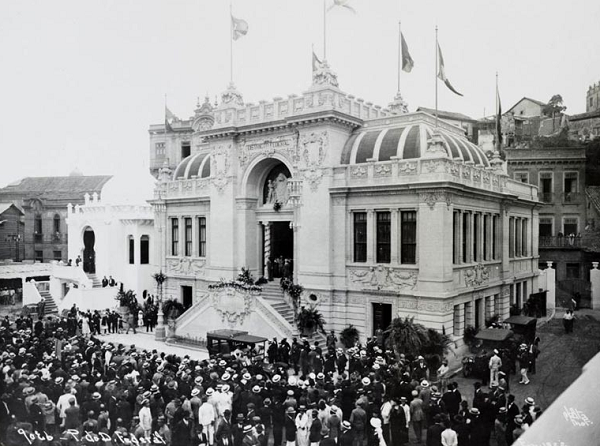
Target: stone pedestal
[159, 332]
[550, 288]
[595, 280]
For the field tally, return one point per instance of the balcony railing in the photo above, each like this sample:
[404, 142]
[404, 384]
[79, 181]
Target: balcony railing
[57, 237]
[572, 198]
[546, 197]
[570, 242]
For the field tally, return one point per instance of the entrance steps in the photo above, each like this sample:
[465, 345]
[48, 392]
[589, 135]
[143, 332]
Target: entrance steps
[50, 307]
[96, 283]
[273, 295]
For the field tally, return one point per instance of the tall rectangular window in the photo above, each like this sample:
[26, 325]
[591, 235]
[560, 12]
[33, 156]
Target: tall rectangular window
[160, 149]
[188, 236]
[486, 244]
[456, 240]
[495, 240]
[545, 226]
[174, 236]
[511, 237]
[524, 239]
[476, 245]
[384, 226]
[465, 237]
[186, 149]
[131, 242]
[360, 236]
[144, 250]
[570, 226]
[202, 236]
[408, 237]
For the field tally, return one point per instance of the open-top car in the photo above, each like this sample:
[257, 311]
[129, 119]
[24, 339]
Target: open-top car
[226, 342]
[488, 340]
[524, 328]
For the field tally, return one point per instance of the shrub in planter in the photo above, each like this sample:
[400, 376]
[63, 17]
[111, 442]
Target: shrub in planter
[172, 308]
[469, 336]
[514, 310]
[245, 277]
[127, 299]
[349, 336]
[310, 320]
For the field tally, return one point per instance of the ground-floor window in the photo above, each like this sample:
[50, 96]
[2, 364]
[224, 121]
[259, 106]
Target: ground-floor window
[186, 296]
[39, 256]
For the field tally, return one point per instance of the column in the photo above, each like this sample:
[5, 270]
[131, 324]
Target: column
[595, 280]
[394, 239]
[371, 242]
[267, 247]
[551, 288]
[459, 319]
[469, 315]
[181, 244]
[195, 237]
[488, 237]
[470, 235]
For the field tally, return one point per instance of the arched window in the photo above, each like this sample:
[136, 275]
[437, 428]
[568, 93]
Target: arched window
[37, 227]
[131, 247]
[56, 224]
[144, 250]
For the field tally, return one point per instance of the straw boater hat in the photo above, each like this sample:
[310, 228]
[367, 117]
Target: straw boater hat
[529, 401]
[276, 378]
[225, 388]
[346, 425]
[247, 429]
[474, 411]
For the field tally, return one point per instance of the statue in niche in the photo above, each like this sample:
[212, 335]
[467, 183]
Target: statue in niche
[278, 190]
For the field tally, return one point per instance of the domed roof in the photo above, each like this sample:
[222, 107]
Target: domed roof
[134, 187]
[197, 165]
[407, 141]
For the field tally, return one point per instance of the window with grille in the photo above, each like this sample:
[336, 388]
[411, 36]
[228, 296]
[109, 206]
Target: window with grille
[408, 237]
[174, 236]
[202, 236]
[188, 237]
[384, 221]
[360, 236]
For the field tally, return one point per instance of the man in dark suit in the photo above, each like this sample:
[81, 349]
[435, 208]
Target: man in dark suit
[182, 432]
[5, 416]
[434, 433]
[290, 426]
[347, 437]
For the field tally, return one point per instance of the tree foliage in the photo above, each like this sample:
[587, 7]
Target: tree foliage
[554, 106]
[406, 336]
[349, 336]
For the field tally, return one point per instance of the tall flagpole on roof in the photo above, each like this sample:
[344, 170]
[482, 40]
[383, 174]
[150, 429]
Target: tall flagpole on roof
[230, 42]
[324, 30]
[436, 76]
[399, 53]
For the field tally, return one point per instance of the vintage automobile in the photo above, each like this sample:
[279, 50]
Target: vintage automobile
[523, 327]
[226, 342]
[488, 340]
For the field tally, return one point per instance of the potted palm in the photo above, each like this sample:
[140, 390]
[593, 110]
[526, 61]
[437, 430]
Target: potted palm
[349, 336]
[309, 320]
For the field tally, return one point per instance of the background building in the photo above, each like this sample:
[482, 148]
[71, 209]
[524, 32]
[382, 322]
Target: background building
[44, 202]
[11, 232]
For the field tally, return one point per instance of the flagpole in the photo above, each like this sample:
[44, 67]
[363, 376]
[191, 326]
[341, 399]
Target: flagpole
[498, 143]
[230, 43]
[436, 75]
[324, 31]
[399, 53]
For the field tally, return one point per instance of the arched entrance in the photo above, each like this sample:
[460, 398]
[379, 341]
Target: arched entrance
[268, 181]
[89, 255]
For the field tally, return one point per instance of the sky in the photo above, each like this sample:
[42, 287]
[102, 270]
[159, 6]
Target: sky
[82, 80]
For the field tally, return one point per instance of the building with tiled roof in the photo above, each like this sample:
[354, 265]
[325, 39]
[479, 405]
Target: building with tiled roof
[44, 202]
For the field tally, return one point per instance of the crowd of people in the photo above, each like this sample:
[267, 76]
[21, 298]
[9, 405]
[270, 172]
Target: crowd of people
[61, 386]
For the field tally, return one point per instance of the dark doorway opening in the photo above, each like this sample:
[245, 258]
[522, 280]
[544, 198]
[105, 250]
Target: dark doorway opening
[282, 248]
[187, 296]
[89, 255]
[382, 318]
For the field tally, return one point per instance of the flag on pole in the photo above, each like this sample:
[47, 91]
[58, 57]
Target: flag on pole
[316, 63]
[169, 118]
[343, 4]
[498, 118]
[407, 61]
[239, 28]
[442, 73]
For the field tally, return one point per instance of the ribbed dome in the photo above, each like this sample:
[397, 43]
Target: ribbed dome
[407, 141]
[194, 165]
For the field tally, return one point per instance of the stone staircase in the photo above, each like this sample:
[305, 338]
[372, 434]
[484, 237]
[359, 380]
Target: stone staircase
[96, 283]
[273, 295]
[50, 307]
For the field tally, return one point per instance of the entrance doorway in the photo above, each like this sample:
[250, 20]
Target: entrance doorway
[382, 318]
[89, 255]
[282, 248]
[186, 296]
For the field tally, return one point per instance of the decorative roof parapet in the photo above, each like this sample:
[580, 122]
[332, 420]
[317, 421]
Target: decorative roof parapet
[324, 75]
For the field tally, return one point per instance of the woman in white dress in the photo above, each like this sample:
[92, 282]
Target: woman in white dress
[85, 325]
